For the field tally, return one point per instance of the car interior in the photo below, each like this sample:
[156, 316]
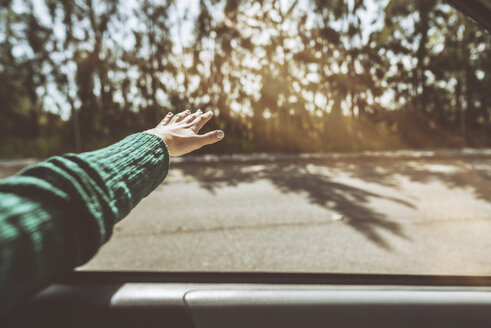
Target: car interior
[242, 299]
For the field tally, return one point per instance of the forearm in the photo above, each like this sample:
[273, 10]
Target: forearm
[55, 215]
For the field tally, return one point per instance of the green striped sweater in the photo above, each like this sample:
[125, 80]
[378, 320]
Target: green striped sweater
[55, 215]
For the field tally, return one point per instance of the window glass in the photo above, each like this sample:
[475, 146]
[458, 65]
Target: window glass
[356, 131]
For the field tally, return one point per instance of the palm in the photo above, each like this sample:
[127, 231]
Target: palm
[180, 132]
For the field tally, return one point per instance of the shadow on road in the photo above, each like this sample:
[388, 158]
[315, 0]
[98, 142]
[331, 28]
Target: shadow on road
[452, 173]
[348, 200]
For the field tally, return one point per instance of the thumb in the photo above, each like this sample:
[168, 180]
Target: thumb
[211, 137]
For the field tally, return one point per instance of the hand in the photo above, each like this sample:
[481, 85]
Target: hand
[180, 132]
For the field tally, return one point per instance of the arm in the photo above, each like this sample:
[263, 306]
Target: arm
[55, 215]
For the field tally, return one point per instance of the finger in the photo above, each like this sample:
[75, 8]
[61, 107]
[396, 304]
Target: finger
[179, 117]
[167, 118]
[211, 137]
[192, 117]
[202, 120]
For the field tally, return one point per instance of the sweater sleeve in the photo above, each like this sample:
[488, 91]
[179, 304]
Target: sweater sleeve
[55, 215]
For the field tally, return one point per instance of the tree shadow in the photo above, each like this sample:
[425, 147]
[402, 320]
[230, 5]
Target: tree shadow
[293, 177]
[453, 173]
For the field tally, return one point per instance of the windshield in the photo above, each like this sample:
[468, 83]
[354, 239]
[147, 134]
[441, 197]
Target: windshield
[356, 130]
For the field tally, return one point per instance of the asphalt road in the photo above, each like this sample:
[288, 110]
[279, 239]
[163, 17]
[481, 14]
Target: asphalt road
[365, 214]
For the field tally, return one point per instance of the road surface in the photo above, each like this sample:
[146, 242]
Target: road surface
[364, 214]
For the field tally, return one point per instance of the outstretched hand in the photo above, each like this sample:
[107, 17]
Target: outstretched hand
[180, 132]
